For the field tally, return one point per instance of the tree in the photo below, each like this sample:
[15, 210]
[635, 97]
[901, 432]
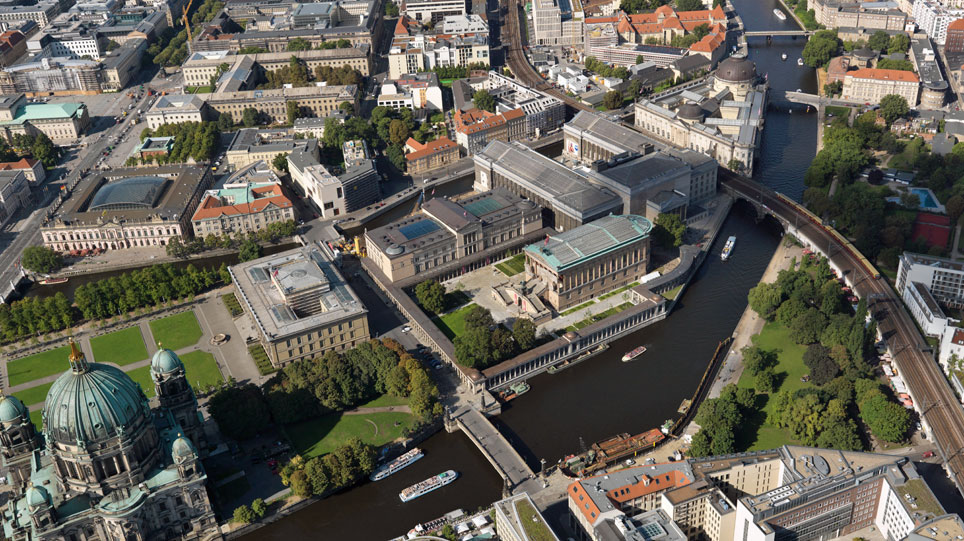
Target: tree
[756, 360]
[613, 99]
[41, 259]
[472, 348]
[239, 411]
[483, 100]
[249, 117]
[887, 420]
[280, 162]
[478, 317]
[346, 107]
[820, 48]
[259, 508]
[293, 111]
[299, 44]
[431, 295]
[299, 484]
[524, 333]
[893, 107]
[398, 132]
[243, 514]
[225, 122]
[249, 250]
[735, 165]
[899, 43]
[766, 381]
[806, 329]
[764, 299]
[634, 88]
[895, 64]
[823, 369]
[669, 230]
[834, 88]
[879, 41]
[689, 5]
[391, 9]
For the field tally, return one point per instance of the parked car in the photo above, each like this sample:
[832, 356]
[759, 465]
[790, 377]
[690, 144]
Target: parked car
[406, 328]
[928, 454]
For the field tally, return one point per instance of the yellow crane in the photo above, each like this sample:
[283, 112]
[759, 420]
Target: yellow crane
[187, 23]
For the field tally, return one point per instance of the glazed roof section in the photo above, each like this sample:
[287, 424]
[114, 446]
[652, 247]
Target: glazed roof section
[568, 190]
[615, 136]
[590, 240]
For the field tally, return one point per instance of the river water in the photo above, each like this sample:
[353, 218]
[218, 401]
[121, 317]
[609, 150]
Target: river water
[603, 396]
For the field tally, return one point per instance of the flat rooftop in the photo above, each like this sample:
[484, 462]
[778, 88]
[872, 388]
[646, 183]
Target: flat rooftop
[611, 133]
[263, 284]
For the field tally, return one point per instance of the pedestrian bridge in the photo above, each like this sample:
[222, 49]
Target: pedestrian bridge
[818, 101]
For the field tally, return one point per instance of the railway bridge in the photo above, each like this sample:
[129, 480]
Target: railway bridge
[940, 412]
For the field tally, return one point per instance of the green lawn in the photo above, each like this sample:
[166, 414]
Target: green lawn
[385, 400]
[177, 331]
[512, 266]
[34, 395]
[534, 525]
[837, 111]
[453, 323]
[38, 366]
[206, 89]
[618, 291]
[578, 308]
[201, 369]
[323, 434]
[142, 376]
[598, 317]
[790, 367]
[119, 347]
[921, 496]
[261, 359]
[672, 293]
[37, 418]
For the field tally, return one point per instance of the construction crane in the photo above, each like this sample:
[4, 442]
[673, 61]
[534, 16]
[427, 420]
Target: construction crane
[187, 23]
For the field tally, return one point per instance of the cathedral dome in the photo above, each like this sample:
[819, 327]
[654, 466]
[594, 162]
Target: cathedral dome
[11, 409]
[93, 403]
[37, 496]
[182, 449]
[166, 361]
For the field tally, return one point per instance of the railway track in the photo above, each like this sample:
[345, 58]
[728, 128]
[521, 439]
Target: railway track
[939, 407]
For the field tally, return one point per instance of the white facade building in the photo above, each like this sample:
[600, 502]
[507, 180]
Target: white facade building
[933, 18]
[433, 10]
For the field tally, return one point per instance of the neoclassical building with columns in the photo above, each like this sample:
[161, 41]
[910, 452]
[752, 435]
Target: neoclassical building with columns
[108, 465]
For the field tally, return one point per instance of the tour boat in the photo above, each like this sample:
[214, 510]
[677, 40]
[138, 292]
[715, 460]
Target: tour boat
[403, 461]
[51, 281]
[799, 61]
[779, 14]
[424, 487]
[784, 56]
[514, 391]
[728, 248]
[634, 353]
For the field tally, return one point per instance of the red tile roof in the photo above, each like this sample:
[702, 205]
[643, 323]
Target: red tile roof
[429, 148]
[211, 206]
[885, 75]
[23, 163]
[475, 120]
[956, 25]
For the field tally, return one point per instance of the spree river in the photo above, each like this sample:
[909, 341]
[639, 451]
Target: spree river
[603, 396]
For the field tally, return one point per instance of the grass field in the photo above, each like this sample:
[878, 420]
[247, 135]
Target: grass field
[177, 331]
[453, 323]
[201, 369]
[38, 366]
[578, 308]
[512, 266]
[837, 111]
[142, 376]
[119, 347]
[323, 434]
[535, 527]
[672, 293]
[261, 359]
[34, 395]
[790, 368]
[598, 317]
[37, 418]
[385, 400]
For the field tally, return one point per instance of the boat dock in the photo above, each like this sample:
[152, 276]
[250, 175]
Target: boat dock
[516, 474]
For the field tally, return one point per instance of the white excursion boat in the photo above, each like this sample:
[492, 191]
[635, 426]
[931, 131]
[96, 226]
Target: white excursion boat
[424, 487]
[402, 461]
[779, 14]
[634, 353]
[784, 56]
[728, 248]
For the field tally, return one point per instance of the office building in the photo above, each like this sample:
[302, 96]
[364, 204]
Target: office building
[129, 208]
[201, 66]
[569, 197]
[870, 16]
[543, 113]
[871, 84]
[590, 137]
[433, 11]
[954, 40]
[589, 260]
[332, 195]
[68, 36]
[791, 492]
[118, 468]
[412, 91]
[933, 85]
[301, 304]
[933, 18]
[422, 158]
[721, 117]
[557, 22]
[41, 13]
[63, 123]
[250, 145]
[241, 210]
[452, 237]
[518, 519]
[316, 101]
[175, 109]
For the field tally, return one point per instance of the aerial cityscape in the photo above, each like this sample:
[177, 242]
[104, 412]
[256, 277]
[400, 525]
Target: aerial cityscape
[465, 270]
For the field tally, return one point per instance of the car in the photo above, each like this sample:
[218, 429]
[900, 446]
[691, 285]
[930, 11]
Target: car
[928, 454]
[406, 328]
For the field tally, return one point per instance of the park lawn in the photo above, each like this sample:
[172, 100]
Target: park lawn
[672, 293]
[37, 418]
[142, 377]
[34, 395]
[201, 369]
[837, 111]
[512, 266]
[324, 434]
[177, 331]
[452, 324]
[39, 365]
[119, 347]
[385, 400]
[790, 367]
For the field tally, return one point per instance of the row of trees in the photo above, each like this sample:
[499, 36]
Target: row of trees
[328, 384]
[41, 259]
[241, 241]
[458, 72]
[483, 343]
[198, 141]
[334, 471]
[604, 69]
[106, 298]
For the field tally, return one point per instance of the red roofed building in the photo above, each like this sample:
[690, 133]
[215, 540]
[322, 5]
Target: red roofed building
[249, 208]
[954, 42]
[12, 45]
[31, 168]
[871, 84]
[475, 128]
[431, 155]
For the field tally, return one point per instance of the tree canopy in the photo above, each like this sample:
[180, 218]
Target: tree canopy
[821, 46]
[483, 100]
[41, 259]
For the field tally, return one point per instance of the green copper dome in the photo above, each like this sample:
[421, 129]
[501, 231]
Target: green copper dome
[92, 402]
[182, 449]
[166, 361]
[37, 496]
[11, 409]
